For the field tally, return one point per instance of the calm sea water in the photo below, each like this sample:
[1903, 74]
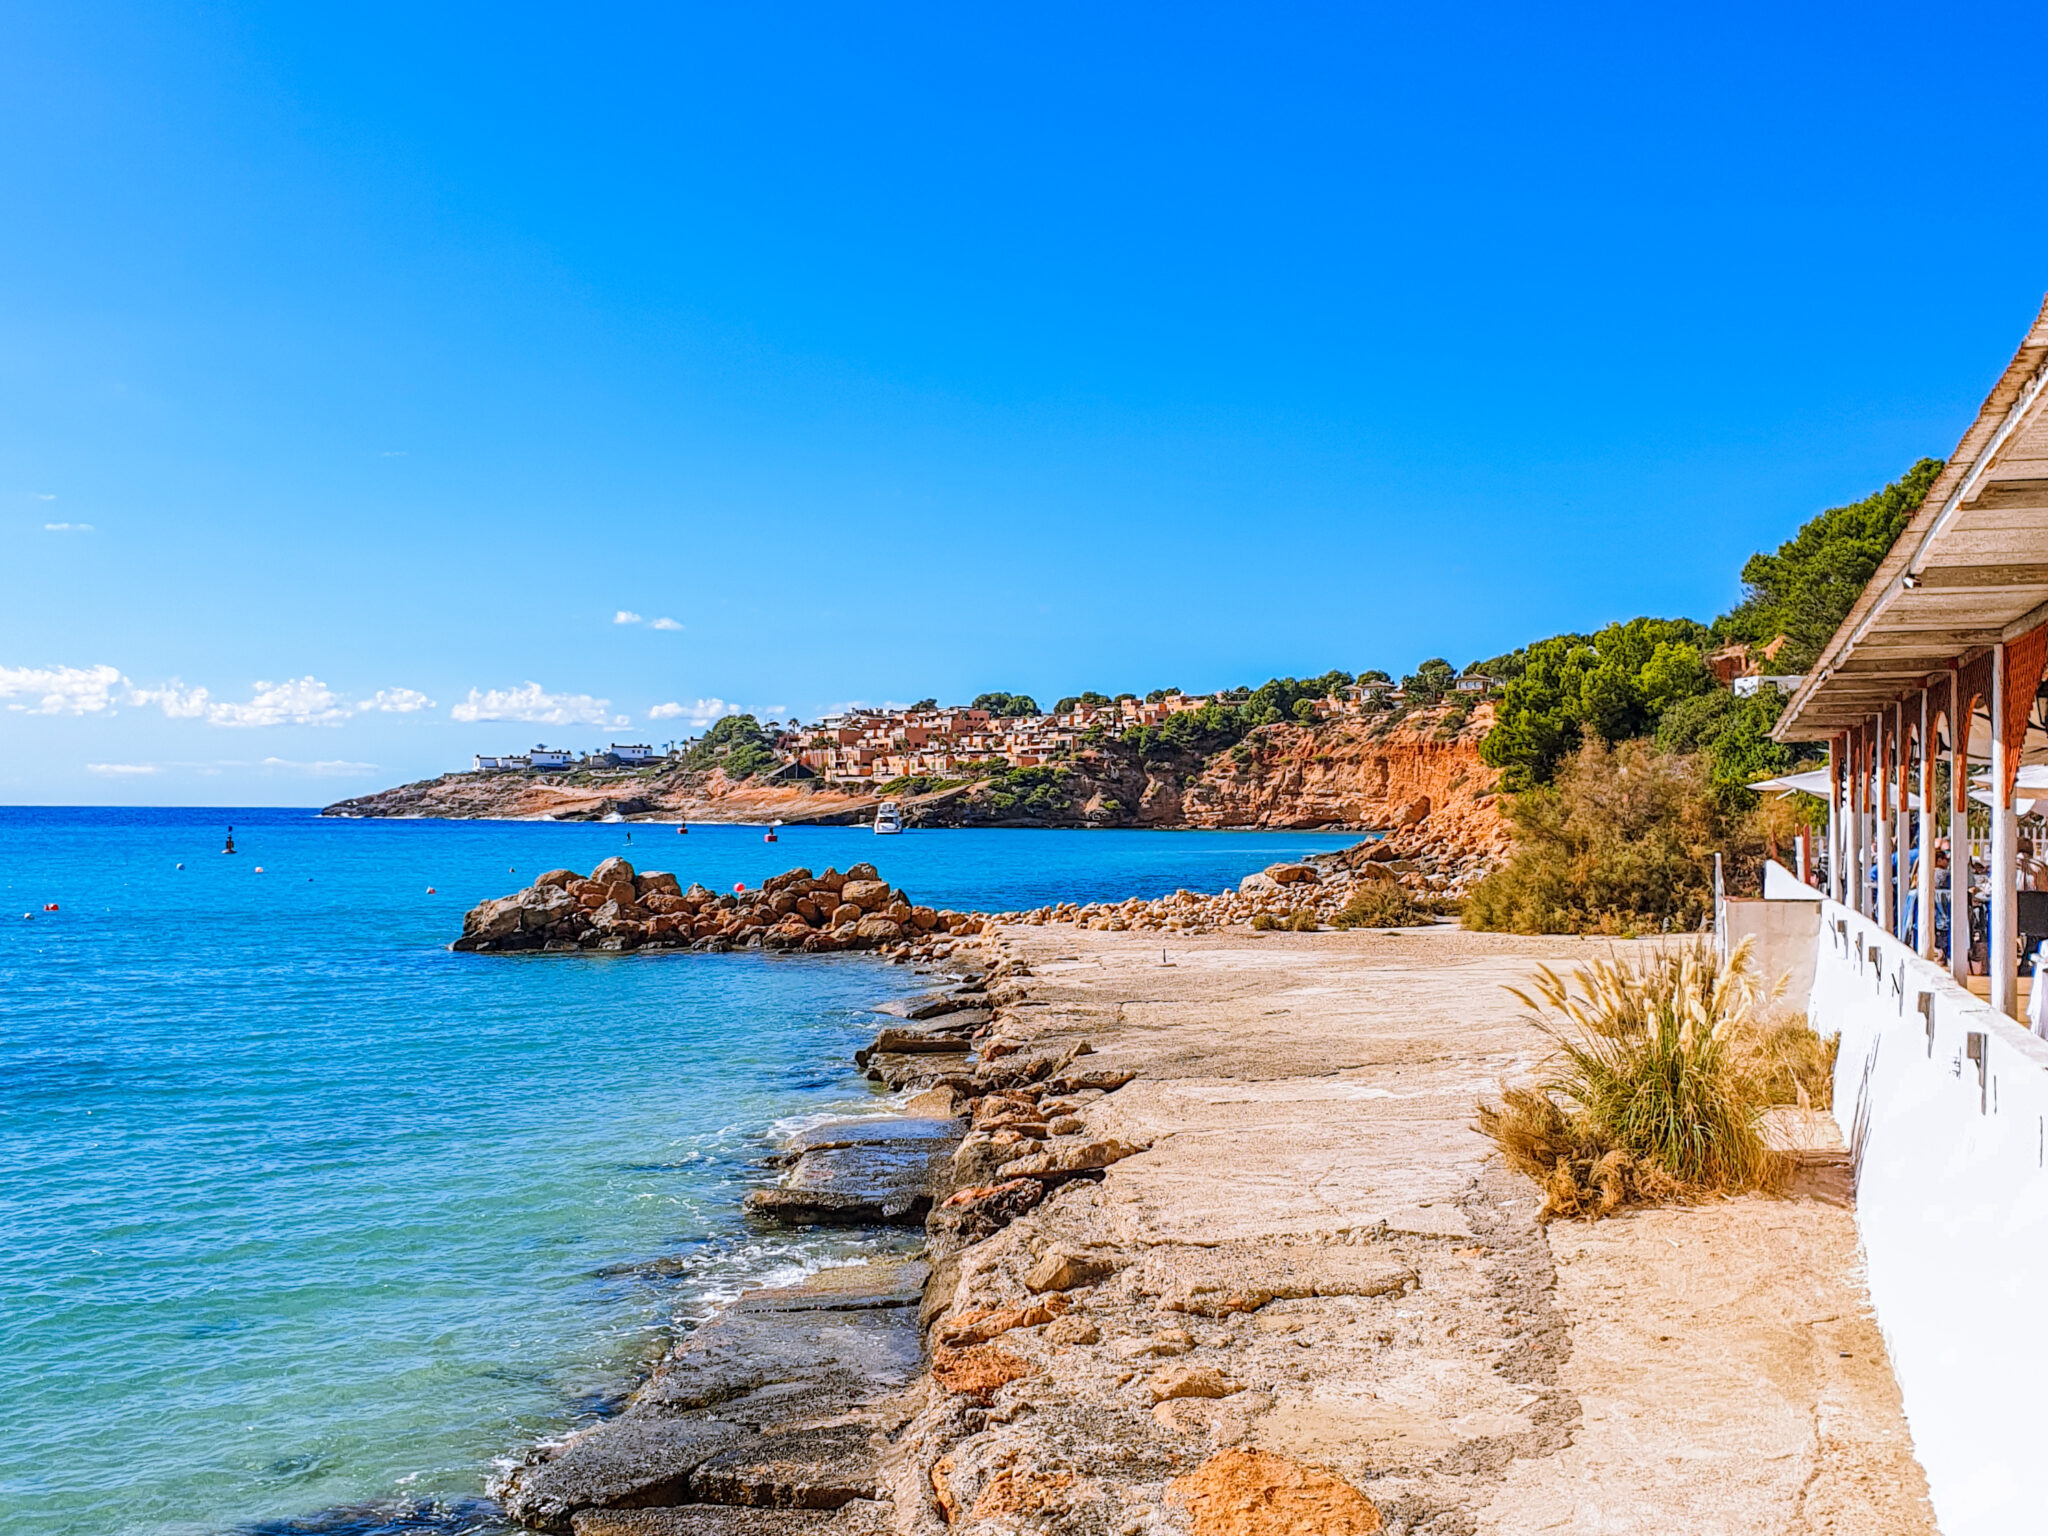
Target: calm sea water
[304, 1220]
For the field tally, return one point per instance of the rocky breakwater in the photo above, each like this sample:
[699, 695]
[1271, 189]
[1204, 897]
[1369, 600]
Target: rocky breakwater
[786, 1412]
[1306, 895]
[615, 908]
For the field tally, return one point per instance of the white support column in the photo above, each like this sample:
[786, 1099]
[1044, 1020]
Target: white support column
[1902, 825]
[1835, 755]
[1958, 833]
[1881, 806]
[1859, 793]
[2005, 868]
[1923, 938]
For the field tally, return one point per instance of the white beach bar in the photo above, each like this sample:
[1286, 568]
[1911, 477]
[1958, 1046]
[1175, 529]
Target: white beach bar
[1944, 1104]
[1938, 672]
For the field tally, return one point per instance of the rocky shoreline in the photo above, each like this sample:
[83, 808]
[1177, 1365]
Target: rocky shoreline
[1210, 1247]
[787, 1401]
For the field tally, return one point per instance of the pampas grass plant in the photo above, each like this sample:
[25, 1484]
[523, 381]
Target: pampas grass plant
[1649, 1098]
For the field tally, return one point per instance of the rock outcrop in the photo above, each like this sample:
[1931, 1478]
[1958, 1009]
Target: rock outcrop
[616, 908]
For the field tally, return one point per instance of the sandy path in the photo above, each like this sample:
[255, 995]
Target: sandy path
[1307, 1103]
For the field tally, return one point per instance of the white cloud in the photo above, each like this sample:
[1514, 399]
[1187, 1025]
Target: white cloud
[394, 453]
[122, 770]
[98, 690]
[533, 703]
[395, 701]
[327, 768]
[697, 712]
[296, 701]
[625, 616]
[67, 527]
[178, 701]
[61, 690]
[664, 624]
[46, 496]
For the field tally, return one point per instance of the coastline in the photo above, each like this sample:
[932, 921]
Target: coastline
[1362, 1329]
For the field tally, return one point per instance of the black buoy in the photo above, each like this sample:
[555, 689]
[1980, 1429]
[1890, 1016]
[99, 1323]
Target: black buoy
[231, 841]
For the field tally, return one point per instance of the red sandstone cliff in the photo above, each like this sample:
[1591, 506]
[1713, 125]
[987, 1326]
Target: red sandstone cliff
[1346, 774]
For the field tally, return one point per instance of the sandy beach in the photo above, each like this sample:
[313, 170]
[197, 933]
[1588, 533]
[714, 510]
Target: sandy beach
[1305, 1102]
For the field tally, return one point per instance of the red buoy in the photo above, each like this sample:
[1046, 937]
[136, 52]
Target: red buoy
[49, 906]
[740, 886]
[430, 890]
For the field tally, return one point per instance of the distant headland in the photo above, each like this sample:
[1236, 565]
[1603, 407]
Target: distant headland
[1336, 752]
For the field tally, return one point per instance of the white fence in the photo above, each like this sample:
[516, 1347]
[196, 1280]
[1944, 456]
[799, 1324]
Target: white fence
[1945, 1106]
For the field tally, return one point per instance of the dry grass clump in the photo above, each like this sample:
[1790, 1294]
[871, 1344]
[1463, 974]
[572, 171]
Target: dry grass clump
[1381, 904]
[1302, 921]
[1786, 1061]
[1651, 1097]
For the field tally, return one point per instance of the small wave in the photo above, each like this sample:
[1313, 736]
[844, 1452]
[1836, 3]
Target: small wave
[790, 1126]
[433, 1517]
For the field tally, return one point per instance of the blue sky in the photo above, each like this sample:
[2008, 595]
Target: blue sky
[359, 367]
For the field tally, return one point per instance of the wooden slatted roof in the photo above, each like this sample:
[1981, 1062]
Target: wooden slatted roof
[1971, 569]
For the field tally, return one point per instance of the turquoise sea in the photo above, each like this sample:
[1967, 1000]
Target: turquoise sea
[305, 1220]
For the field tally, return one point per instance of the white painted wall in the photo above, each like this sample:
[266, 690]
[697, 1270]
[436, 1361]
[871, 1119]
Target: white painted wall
[1952, 1202]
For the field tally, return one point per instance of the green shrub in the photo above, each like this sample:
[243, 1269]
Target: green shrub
[1622, 843]
[1264, 922]
[1381, 904]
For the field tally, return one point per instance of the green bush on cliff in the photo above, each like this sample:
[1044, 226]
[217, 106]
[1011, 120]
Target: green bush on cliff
[1611, 686]
[735, 744]
[1805, 588]
[1622, 842]
[1006, 706]
[1734, 737]
[920, 784]
[1038, 794]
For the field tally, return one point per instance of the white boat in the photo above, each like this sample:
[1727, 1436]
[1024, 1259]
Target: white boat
[888, 818]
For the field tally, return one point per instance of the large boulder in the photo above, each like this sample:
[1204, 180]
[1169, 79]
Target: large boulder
[657, 881]
[611, 871]
[560, 877]
[868, 895]
[863, 872]
[1290, 874]
[533, 910]
[877, 930]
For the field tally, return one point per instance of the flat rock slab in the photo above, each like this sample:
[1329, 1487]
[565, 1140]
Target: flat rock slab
[855, 1133]
[637, 1459]
[862, 1173]
[848, 1287]
[808, 1467]
[927, 1005]
[860, 1518]
[900, 1069]
[782, 1381]
[905, 1042]
[860, 1350]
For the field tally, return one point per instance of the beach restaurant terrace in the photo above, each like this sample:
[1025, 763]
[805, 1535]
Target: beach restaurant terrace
[1929, 697]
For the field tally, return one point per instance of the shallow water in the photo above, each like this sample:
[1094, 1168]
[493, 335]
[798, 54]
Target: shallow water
[304, 1219]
